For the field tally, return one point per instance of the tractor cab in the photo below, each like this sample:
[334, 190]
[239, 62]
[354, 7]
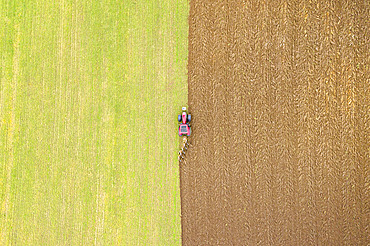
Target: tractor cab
[184, 129]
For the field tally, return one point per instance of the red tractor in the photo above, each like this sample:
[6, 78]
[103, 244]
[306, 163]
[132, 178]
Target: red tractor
[184, 120]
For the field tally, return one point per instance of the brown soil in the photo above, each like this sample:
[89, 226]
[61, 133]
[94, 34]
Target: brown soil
[279, 96]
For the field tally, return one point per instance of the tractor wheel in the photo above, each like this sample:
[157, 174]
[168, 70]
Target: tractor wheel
[179, 118]
[189, 117]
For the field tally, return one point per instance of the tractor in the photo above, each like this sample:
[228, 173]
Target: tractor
[184, 120]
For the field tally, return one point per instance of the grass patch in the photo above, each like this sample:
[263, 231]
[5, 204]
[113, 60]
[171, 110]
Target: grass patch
[89, 95]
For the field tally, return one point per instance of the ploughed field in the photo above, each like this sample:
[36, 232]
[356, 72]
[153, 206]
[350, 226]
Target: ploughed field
[279, 94]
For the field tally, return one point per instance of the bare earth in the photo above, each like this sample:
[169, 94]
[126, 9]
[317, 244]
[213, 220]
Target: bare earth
[279, 94]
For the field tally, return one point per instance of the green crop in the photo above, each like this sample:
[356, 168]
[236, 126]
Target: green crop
[89, 96]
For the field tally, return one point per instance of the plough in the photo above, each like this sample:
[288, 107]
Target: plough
[184, 148]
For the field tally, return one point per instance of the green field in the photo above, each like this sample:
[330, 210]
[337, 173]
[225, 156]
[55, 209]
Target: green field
[89, 95]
